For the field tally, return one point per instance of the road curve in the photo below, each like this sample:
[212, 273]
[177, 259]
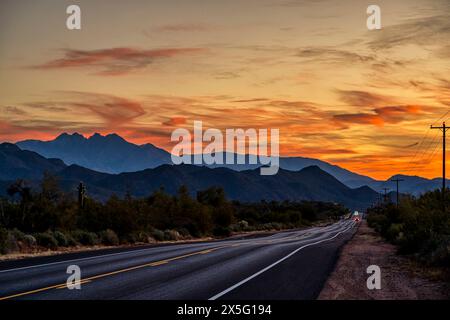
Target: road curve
[285, 265]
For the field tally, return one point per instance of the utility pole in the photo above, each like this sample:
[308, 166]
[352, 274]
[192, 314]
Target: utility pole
[81, 195]
[444, 129]
[385, 194]
[397, 180]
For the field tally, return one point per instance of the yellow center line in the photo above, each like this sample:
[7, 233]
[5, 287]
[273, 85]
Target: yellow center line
[73, 284]
[89, 279]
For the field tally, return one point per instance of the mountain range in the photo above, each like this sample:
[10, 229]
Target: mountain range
[113, 154]
[110, 153]
[310, 183]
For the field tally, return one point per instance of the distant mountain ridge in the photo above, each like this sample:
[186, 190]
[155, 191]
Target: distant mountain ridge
[110, 153]
[16, 163]
[113, 154]
[310, 183]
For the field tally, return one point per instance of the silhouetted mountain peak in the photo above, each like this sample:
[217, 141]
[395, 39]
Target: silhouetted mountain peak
[66, 136]
[365, 189]
[16, 163]
[105, 153]
[95, 136]
[9, 146]
[314, 169]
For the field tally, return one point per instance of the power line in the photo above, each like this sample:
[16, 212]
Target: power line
[442, 117]
[423, 148]
[419, 166]
[423, 155]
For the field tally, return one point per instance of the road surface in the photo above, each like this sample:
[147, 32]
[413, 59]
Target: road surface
[285, 265]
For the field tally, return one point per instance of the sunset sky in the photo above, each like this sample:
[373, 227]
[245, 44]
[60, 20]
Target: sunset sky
[338, 92]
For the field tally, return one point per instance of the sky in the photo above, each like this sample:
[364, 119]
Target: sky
[358, 98]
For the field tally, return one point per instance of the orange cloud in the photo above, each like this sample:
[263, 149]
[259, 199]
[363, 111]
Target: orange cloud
[357, 98]
[379, 116]
[114, 110]
[115, 61]
[175, 121]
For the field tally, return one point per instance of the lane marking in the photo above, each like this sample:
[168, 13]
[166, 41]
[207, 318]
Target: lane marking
[220, 294]
[83, 259]
[89, 279]
[76, 283]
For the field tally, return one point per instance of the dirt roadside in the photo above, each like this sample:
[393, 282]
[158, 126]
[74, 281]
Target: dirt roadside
[401, 279]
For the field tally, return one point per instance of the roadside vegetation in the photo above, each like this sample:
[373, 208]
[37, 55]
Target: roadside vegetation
[48, 218]
[419, 227]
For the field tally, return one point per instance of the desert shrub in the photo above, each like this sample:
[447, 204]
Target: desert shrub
[185, 234]
[46, 240]
[29, 240]
[3, 243]
[144, 237]
[171, 235]
[419, 226]
[440, 253]
[394, 231]
[71, 242]
[85, 238]
[158, 235]
[12, 244]
[243, 224]
[109, 237]
[272, 226]
[220, 231]
[17, 234]
[138, 237]
[61, 238]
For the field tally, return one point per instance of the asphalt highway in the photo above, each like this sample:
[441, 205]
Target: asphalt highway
[286, 265]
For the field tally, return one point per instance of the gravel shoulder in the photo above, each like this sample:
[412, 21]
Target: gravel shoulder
[401, 278]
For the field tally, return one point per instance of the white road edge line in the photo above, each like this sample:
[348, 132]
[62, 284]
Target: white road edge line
[275, 263]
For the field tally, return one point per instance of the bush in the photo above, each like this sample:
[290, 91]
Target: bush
[61, 238]
[146, 237]
[17, 234]
[46, 240]
[109, 237]
[418, 226]
[171, 235]
[243, 225]
[158, 235]
[185, 234]
[3, 238]
[85, 238]
[440, 255]
[394, 231]
[12, 245]
[29, 240]
[222, 231]
[71, 242]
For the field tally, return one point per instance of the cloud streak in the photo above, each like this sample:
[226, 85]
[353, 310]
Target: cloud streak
[185, 27]
[114, 61]
[358, 98]
[433, 30]
[379, 116]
